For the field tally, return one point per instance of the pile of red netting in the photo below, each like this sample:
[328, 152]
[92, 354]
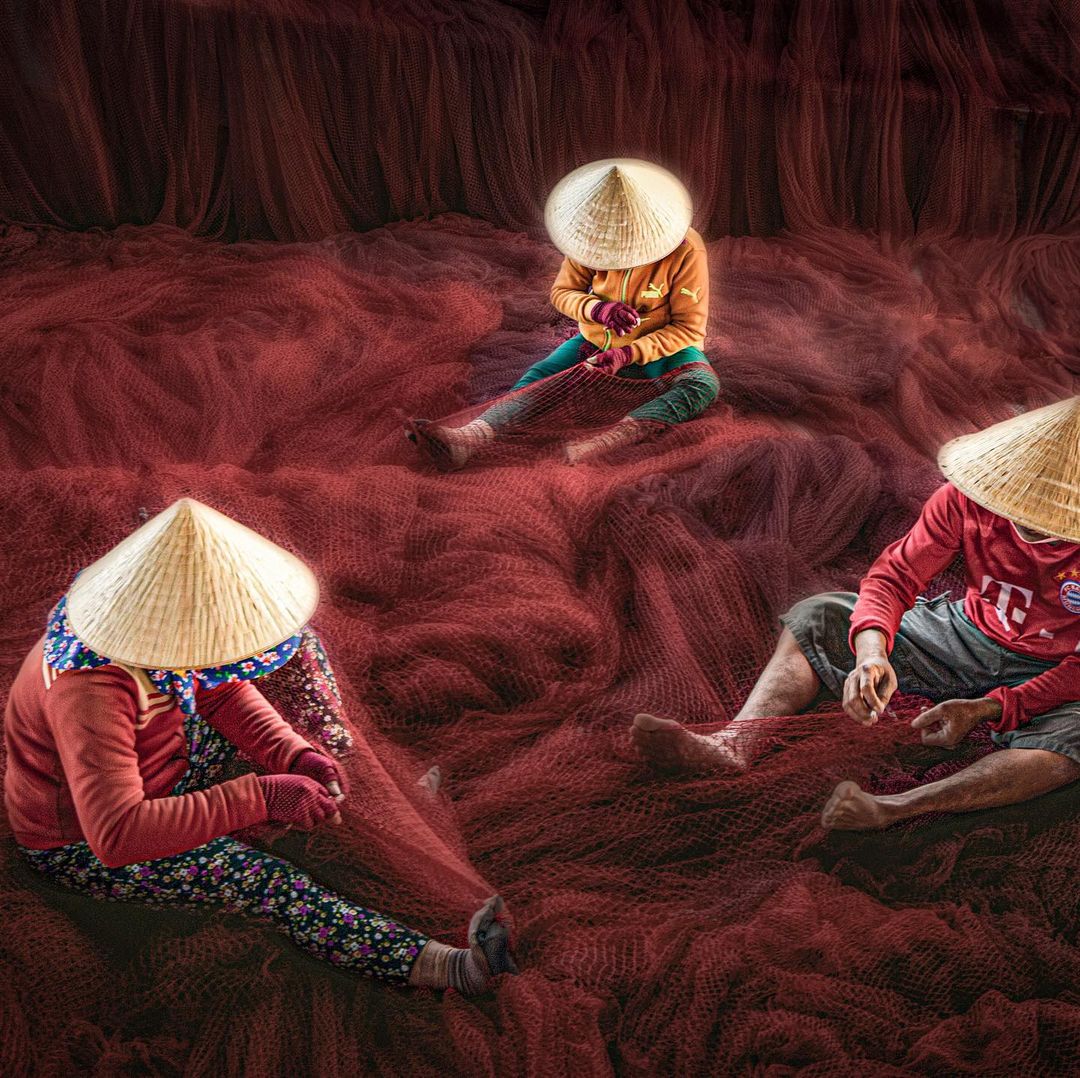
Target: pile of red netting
[505, 622]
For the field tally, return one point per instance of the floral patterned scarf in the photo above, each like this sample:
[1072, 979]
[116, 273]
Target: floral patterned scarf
[65, 651]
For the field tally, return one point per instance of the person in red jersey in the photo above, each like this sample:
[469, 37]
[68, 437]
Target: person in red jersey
[123, 729]
[1007, 655]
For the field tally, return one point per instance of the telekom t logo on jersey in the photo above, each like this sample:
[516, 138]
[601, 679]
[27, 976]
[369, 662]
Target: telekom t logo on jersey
[1012, 601]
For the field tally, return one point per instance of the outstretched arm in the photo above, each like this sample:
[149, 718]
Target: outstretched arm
[888, 590]
[242, 714]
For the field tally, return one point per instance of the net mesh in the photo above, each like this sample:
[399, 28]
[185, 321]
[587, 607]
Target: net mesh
[506, 621]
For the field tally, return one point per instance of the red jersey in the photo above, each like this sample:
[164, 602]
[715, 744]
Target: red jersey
[1023, 596]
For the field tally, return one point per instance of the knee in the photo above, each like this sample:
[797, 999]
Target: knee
[824, 618]
[701, 387]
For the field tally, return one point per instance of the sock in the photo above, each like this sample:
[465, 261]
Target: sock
[623, 433]
[440, 966]
[467, 969]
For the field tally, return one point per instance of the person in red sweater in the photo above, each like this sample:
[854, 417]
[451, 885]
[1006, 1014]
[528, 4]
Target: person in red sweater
[1007, 655]
[122, 730]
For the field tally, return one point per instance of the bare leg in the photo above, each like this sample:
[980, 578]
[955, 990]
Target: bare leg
[1002, 778]
[787, 686]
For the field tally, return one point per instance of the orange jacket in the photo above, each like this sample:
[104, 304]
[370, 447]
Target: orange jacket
[92, 755]
[672, 297]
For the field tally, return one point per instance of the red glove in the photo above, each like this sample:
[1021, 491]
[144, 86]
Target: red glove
[320, 768]
[620, 318]
[296, 800]
[613, 360]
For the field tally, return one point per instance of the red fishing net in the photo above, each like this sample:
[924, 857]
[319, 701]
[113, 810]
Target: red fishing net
[506, 621]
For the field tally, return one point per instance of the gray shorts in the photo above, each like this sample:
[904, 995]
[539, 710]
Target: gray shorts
[938, 653]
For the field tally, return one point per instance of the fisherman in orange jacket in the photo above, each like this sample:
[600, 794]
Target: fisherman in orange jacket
[642, 316]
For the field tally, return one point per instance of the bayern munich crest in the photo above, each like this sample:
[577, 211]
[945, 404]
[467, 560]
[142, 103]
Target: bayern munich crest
[1070, 596]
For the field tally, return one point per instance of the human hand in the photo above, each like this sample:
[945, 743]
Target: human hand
[612, 361]
[870, 686]
[323, 770]
[620, 318]
[947, 724]
[298, 801]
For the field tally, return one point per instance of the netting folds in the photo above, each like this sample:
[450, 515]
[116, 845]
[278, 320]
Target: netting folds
[294, 119]
[506, 621]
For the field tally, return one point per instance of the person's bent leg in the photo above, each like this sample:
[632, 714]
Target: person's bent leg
[689, 394]
[1003, 778]
[787, 686]
[691, 391]
[811, 656]
[453, 447]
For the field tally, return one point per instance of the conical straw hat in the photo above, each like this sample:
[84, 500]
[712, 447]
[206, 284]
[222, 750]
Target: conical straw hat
[191, 588]
[1026, 469]
[618, 213]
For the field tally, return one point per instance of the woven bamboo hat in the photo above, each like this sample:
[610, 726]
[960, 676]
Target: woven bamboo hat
[618, 213]
[191, 588]
[1026, 469]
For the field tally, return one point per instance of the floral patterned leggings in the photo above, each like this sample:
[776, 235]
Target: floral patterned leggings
[242, 879]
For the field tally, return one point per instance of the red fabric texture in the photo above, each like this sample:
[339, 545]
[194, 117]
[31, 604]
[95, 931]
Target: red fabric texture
[83, 764]
[613, 360]
[618, 317]
[999, 599]
[505, 622]
[297, 800]
[320, 768]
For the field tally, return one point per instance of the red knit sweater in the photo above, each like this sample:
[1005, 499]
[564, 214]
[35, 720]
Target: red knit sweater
[92, 755]
[1023, 596]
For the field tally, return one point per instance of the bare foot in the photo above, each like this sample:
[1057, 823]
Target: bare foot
[669, 745]
[850, 808]
[431, 781]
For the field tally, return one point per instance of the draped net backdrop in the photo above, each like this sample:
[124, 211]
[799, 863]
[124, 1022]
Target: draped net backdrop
[505, 622]
[295, 119]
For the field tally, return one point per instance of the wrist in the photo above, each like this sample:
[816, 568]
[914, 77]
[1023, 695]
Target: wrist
[591, 309]
[300, 760]
[871, 644]
[989, 708]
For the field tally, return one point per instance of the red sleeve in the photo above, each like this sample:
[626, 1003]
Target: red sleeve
[240, 712]
[92, 717]
[1041, 694]
[903, 569]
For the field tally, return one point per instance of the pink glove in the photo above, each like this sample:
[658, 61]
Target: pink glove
[613, 360]
[296, 800]
[320, 768]
[620, 318]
